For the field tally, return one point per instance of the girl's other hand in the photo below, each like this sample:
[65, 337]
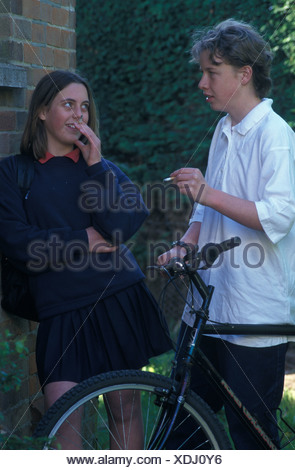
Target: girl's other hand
[97, 244]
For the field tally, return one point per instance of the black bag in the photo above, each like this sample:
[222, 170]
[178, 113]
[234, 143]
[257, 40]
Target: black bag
[16, 298]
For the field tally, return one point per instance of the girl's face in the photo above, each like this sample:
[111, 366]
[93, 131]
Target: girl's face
[60, 117]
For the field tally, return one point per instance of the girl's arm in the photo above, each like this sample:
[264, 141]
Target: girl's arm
[114, 202]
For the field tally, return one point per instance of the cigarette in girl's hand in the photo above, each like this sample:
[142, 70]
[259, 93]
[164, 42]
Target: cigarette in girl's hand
[80, 118]
[171, 178]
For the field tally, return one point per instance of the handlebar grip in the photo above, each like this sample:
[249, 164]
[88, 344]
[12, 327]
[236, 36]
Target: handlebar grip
[230, 243]
[211, 251]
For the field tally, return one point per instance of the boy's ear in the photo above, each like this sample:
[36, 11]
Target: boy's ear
[247, 73]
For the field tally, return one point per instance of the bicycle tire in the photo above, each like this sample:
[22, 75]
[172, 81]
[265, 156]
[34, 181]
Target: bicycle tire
[94, 433]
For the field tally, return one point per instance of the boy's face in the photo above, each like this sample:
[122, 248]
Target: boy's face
[220, 83]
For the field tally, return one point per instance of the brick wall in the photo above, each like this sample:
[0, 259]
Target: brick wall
[35, 36]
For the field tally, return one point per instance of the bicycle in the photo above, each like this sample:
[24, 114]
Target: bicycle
[166, 403]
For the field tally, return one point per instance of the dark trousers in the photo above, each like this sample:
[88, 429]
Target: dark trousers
[256, 375]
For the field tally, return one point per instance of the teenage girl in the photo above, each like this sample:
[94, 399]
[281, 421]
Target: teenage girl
[95, 312]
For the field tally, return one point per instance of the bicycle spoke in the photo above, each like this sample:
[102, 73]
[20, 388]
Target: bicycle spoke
[130, 410]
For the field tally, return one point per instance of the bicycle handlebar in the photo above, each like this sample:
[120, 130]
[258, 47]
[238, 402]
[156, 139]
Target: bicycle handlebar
[211, 251]
[191, 262]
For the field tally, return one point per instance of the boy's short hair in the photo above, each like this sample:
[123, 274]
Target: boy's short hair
[238, 44]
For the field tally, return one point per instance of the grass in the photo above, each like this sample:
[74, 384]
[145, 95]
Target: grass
[288, 414]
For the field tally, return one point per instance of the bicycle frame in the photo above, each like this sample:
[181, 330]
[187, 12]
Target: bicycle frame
[194, 354]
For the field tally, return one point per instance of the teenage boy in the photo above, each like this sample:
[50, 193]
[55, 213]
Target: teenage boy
[248, 191]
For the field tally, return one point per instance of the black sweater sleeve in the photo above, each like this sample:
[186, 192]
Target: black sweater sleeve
[115, 203]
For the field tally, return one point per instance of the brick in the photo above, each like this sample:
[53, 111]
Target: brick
[18, 327]
[5, 49]
[28, 97]
[31, 340]
[5, 150]
[31, 9]
[23, 29]
[46, 13]
[47, 57]
[32, 364]
[11, 6]
[12, 97]
[53, 36]
[34, 385]
[72, 20]
[32, 54]
[7, 120]
[12, 76]
[34, 75]
[67, 40]
[60, 17]
[4, 321]
[61, 59]
[6, 26]
[9, 49]
[38, 33]
[21, 117]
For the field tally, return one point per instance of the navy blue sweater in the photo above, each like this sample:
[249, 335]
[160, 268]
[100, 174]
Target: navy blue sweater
[46, 232]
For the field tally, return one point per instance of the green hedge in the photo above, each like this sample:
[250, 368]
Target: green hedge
[136, 54]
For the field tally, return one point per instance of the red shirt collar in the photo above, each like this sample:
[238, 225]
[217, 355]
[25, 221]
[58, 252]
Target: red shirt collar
[73, 155]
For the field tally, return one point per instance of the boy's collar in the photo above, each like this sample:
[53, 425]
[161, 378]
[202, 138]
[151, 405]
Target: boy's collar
[254, 116]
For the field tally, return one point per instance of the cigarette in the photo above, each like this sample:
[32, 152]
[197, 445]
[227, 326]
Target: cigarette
[80, 118]
[170, 178]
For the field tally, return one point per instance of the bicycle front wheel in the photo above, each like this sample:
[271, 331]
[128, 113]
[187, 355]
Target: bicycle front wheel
[129, 410]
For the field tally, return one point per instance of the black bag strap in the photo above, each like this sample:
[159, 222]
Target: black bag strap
[25, 172]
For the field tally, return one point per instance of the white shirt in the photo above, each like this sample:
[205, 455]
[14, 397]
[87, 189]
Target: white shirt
[255, 282]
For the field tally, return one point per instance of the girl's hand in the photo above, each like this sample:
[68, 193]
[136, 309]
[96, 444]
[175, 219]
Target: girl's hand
[97, 244]
[192, 183]
[92, 150]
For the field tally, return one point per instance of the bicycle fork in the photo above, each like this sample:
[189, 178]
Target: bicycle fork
[176, 397]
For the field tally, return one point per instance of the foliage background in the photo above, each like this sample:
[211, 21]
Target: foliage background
[153, 119]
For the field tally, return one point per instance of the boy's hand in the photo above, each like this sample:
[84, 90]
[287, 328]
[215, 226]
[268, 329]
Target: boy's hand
[192, 183]
[177, 251]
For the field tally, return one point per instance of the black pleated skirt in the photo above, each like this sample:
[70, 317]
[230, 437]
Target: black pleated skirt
[122, 331]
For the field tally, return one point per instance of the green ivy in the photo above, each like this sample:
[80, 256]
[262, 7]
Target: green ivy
[10, 376]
